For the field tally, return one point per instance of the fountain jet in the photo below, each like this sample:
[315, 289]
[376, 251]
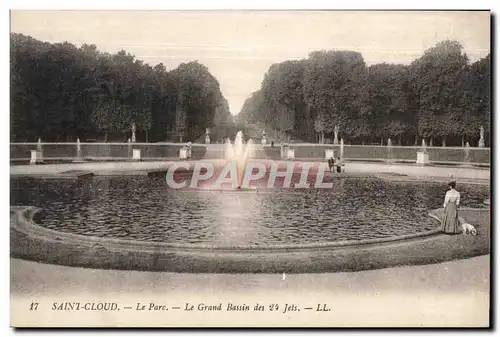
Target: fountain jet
[239, 152]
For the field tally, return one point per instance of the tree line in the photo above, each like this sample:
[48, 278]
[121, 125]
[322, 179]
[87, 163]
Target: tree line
[439, 97]
[60, 92]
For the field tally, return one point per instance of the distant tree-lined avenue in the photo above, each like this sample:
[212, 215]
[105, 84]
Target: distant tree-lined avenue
[61, 92]
[439, 96]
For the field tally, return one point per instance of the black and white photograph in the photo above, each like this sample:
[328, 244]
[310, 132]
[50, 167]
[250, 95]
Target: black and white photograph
[250, 168]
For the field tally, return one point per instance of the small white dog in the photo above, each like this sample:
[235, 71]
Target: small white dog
[468, 229]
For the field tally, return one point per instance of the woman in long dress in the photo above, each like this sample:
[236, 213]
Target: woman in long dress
[450, 223]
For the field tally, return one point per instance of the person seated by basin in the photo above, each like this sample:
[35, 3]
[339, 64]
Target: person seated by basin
[340, 167]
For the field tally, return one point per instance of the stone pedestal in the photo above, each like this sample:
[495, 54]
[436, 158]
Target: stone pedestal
[422, 158]
[283, 151]
[329, 154]
[136, 154]
[183, 154]
[290, 154]
[36, 157]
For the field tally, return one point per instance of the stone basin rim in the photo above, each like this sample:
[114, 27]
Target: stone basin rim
[24, 223]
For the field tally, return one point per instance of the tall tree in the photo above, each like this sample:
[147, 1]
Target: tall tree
[435, 77]
[385, 106]
[61, 92]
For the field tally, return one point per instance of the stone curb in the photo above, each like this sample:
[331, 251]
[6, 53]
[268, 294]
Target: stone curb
[25, 224]
[29, 244]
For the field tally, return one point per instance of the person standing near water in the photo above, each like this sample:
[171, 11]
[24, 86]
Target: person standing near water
[338, 165]
[450, 223]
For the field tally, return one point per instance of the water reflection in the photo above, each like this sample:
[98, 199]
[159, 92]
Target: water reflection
[231, 225]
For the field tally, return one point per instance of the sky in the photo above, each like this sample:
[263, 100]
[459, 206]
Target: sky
[238, 47]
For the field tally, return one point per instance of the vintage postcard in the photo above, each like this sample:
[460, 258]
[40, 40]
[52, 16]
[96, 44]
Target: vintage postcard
[250, 168]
